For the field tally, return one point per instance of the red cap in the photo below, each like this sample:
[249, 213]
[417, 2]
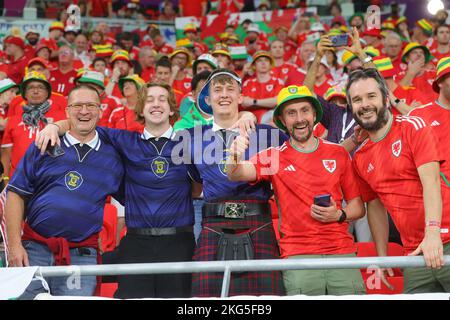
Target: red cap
[373, 33]
[38, 60]
[15, 40]
[340, 20]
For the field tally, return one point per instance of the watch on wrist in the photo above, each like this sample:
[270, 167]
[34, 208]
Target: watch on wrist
[367, 59]
[255, 102]
[343, 217]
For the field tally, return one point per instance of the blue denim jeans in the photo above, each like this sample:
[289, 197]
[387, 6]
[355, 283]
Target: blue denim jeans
[198, 204]
[40, 255]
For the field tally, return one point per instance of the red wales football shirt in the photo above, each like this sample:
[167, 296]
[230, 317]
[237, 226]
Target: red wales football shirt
[388, 171]
[257, 90]
[19, 136]
[125, 119]
[63, 82]
[297, 177]
[57, 102]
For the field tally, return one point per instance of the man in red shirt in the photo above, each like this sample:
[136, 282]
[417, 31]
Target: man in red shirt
[398, 168]
[417, 74]
[63, 78]
[300, 170]
[441, 46]
[147, 61]
[373, 38]
[188, 8]
[15, 47]
[126, 43]
[227, 7]
[289, 45]
[260, 93]
[122, 67]
[56, 100]
[8, 90]
[393, 49]
[107, 103]
[99, 8]
[160, 43]
[21, 130]
[281, 69]
[181, 59]
[255, 40]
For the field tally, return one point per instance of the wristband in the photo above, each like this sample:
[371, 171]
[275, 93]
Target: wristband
[5, 178]
[433, 223]
[255, 102]
[343, 217]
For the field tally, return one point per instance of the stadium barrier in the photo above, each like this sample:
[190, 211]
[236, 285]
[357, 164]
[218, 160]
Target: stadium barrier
[227, 267]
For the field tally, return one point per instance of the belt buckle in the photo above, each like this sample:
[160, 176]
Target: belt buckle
[235, 210]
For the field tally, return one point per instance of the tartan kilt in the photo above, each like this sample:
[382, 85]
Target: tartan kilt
[242, 283]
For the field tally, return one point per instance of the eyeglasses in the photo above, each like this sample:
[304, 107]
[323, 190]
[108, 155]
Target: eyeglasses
[38, 87]
[90, 106]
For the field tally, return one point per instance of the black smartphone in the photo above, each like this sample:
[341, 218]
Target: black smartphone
[339, 40]
[323, 200]
[54, 151]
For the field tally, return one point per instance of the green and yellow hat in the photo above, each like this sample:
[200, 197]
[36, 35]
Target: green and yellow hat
[388, 25]
[121, 55]
[183, 50]
[425, 25]
[291, 93]
[184, 42]
[335, 91]
[371, 51]
[400, 20]
[414, 45]
[384, 66]
[442, 69]
[138, 81]
[348, 57]
[34, 76]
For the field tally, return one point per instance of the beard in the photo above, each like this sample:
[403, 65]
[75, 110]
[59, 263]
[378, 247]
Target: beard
[305, 137]
[381, 120]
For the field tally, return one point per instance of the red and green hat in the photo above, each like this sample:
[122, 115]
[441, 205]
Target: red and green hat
[414, 45]
[442, 69]
[295, 92]
[426, 26]
[121, 55]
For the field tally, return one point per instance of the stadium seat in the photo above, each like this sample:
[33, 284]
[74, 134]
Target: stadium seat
[367, 249]
[109, 230]
[107, 290]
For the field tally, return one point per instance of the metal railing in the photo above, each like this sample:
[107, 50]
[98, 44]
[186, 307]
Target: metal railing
[227, 267]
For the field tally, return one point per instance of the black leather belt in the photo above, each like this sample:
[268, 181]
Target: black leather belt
[158, 231]
[235, 210]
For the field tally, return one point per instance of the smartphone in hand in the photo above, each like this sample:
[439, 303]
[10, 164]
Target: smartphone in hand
[323, 200]
[54, 151]
[339, 40]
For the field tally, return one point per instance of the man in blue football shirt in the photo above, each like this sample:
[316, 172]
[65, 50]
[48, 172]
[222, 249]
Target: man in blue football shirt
[237, 221]
[61, 195]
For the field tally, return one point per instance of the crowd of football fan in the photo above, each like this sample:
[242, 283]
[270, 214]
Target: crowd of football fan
[408, 63]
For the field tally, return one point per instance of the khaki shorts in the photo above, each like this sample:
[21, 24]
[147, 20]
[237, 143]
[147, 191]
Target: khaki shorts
[323, 282]
[424, 280]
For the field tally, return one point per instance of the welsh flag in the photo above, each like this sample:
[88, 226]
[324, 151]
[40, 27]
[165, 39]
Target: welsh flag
[213, 25]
